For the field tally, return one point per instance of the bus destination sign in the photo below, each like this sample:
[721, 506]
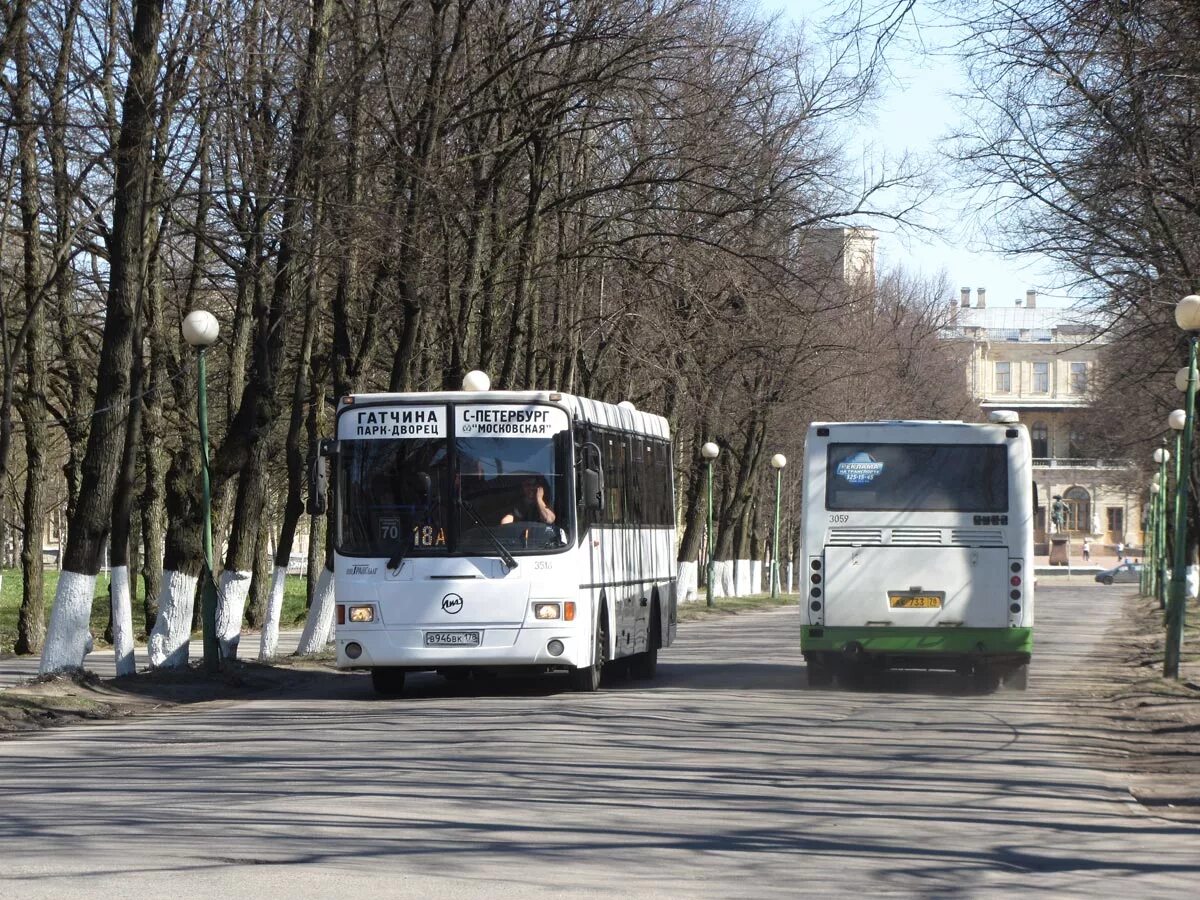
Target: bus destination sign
[506, 420]
[382, 422]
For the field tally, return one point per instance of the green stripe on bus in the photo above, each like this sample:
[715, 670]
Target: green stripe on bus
[919, 640]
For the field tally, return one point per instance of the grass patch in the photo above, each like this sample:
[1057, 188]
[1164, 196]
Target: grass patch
[731, 606]
[293, 613]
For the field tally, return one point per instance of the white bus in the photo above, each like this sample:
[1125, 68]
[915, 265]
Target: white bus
[480, 530]
[918, 547]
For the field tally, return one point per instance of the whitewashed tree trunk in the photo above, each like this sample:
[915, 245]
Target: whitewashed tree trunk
[67, 636]
[318, 629]
[122, 622]
[723, 578]
[1193, 581]
[756, 576]
[173, 629]
[741, 577]
[270, 631]
[688, 582]
[791, 573]
[232, 592]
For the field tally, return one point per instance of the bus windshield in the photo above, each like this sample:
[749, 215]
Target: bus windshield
[514, 488]
[501, 480]
[393, 492]
[971, 478]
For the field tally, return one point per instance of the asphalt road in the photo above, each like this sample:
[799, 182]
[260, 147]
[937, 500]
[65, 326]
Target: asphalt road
[726, 777]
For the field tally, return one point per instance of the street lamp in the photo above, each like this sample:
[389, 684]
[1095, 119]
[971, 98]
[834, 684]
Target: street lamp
[778, 461]
[710, 451]
[1162, 456]
[1187, 317]
[1150, 568]
[200, 330]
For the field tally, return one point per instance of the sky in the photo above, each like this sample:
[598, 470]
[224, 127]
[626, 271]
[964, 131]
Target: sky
[916, 112]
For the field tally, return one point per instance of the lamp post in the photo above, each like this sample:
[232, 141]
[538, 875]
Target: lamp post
[1150, 565]
[1187, 317]
[778, 461]
[1162, 456]
[200, 330]
[709, 451]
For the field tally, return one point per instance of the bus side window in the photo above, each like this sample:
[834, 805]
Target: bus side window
[636, 498]
[614, 478]
[665, 509]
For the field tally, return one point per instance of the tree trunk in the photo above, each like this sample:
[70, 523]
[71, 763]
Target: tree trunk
[31, 618]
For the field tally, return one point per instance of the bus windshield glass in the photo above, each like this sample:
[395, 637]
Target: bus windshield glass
[969, 478]
[392, 495]
[402, 491]
[512, 465]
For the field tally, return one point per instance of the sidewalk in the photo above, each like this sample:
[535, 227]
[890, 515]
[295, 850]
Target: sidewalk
[17, 669]
[1105, 559]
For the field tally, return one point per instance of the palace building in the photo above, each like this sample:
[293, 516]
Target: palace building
[1041, 362]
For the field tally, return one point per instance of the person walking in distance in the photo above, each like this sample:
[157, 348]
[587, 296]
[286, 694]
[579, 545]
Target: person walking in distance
[1087, 550]
[1120, 550]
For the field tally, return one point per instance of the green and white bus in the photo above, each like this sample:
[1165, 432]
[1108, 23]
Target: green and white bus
[918, 549]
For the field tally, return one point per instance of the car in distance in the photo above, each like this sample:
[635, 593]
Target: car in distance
[1125, 573]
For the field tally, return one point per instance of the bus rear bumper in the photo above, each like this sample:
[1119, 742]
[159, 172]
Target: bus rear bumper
[499, 647]
[919, 647]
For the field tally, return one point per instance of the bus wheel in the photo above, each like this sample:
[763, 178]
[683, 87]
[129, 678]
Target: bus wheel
[1018, 678]
[985, 679]
[820, 673]
[645, 665]
[587, 678]
[388, 682]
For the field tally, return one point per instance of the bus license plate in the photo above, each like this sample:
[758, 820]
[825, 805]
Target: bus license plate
[915, 601]
[452, 638]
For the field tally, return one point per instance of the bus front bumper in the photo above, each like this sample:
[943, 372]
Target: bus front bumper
[406, 647]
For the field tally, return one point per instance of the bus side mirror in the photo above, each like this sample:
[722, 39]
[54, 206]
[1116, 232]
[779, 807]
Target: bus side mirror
[591, 478]
[593, 490]
[318, 478]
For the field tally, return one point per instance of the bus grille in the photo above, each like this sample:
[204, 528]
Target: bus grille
[855, 537]
[977, 537]
[916, 537]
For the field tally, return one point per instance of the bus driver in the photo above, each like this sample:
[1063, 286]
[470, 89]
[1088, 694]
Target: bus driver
[532, 506]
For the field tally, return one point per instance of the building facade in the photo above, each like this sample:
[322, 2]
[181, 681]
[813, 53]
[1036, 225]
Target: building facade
[1042, 363]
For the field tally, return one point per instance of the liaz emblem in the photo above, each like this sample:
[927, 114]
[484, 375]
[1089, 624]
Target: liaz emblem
[452, 604]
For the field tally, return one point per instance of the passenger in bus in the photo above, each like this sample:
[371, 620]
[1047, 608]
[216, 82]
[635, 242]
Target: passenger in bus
[531, 506]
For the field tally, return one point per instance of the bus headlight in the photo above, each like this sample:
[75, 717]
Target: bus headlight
[547, 611]
[361, 613]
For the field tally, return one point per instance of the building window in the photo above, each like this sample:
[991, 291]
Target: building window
[1115, 517]
[1003, 377]
[1040, 437]
[1075, 443]
[1041, 378]
[1079, 509]
[1078, 378]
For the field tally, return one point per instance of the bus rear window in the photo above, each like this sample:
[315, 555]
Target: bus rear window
[931, 477]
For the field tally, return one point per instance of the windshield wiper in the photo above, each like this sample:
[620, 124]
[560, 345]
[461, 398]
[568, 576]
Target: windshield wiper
[509, 561]
[406, 544]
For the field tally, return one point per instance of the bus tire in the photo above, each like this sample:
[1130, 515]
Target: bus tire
[387, 681]
[586, 679]
[644, 666]
[1018, 678]
[985, 679]
[820, 673]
